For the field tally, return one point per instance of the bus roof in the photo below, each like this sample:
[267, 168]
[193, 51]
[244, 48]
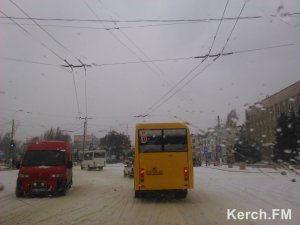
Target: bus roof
[160, 125]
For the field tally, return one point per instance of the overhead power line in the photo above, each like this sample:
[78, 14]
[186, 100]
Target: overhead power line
[138, 62]
[85, 89]
[29, 34]
[81, 65]
[158, 102]
[164, 98]
[215, 37]
[142, 20]
[174, 93]
[227, 40]
[140, 50]
[50, 35]
[27, 61]
[44, 30]
[192, 57]
[59, 43]
[120, 41]
[262, 48]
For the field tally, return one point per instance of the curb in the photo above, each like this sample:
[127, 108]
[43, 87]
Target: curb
[241, 171]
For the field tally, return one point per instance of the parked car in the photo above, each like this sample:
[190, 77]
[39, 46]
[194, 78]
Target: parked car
[128, 169]
[94, 160]
[46, 169]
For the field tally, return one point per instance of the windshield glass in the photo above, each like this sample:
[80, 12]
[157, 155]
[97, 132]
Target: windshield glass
[44, 158]
[99, 154]
[88, 156]
[202, 96]
[166, 140]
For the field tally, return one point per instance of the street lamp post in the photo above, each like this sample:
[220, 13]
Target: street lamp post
[12, 144]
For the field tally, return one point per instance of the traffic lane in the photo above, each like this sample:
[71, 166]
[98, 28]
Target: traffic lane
[107, 197]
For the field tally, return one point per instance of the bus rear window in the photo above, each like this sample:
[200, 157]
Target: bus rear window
[166, 140]
[150, 140]
[175, 140]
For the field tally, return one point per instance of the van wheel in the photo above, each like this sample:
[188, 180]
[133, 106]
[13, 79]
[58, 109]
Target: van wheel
[89, 168]
[63, 192]
[19, 192]
[81, 167]
[62, 187]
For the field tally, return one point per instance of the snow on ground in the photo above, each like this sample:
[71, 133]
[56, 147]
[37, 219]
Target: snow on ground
[107, 197]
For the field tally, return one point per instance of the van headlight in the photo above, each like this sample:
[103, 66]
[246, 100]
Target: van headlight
[56, 175]
[23, 175]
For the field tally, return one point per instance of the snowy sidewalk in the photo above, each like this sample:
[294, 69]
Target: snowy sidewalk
[249, 169]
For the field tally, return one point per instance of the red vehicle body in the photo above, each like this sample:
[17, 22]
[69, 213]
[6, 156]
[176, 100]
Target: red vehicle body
[45, 169]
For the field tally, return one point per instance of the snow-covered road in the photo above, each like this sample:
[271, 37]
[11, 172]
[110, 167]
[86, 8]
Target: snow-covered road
[106, 197]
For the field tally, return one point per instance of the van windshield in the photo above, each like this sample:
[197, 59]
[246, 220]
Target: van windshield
[44, 158]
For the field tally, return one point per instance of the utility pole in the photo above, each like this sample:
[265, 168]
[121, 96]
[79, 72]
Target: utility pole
[12, 132]
[84, 66]
[84, 133]
[84, 130]
[218, 142]
[11, 144]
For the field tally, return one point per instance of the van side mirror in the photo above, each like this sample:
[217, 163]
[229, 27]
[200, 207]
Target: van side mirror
[18, 165]
[69, 164]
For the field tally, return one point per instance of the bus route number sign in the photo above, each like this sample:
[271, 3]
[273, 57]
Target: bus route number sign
[144, 139]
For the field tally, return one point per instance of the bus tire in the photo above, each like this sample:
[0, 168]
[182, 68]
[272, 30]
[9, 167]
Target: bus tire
[181, 194]
[137, 194]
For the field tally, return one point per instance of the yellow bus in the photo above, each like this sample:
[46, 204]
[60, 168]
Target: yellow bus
[163, 159]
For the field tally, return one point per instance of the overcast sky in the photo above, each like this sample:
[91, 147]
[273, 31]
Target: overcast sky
[39, 93]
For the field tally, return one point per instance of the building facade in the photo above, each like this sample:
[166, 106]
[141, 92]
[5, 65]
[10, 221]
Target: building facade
[261, 118]
[197, 146]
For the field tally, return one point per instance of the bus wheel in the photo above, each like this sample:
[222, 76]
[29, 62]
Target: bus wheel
[137, 194]
[181, 194]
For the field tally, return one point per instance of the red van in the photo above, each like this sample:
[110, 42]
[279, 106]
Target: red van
[46, 169]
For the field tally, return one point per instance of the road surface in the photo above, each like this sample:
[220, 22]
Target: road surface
[107, 197]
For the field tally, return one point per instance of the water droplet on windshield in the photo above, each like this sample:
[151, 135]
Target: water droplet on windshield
[287, 151]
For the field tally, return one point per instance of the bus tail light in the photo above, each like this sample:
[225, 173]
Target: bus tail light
[186, 173]
[142, 175]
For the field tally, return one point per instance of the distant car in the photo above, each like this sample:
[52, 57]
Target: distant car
[128, 169]
[93, 160]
